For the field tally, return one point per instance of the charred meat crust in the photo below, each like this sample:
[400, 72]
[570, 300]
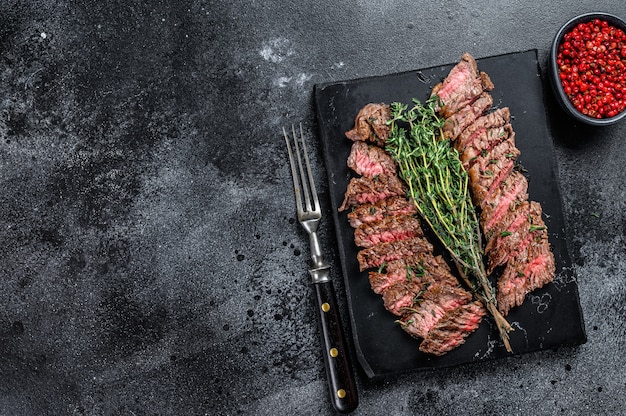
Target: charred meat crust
[388, 207]
[382, 253]
[463, 85]
[370, 124]
[463, 118]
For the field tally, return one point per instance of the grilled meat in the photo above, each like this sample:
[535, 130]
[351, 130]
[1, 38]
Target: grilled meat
[387, 230]
[385, 252]
[530, 268]
[370, 161]
[431, 268]
[401, 296]
[460, 120]
[423, 267]
[371, 190]
[484, 141]
[380, 281]
[370, 124]
[504, 201]
[489, 160]
[462, 86]
[496, 118]
[430, 306]
[505, 243]
[452, 329]
[388, 207]
[512, 226]
[490, 170]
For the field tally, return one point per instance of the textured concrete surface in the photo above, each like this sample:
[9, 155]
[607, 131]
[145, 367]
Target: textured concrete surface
[151, 262]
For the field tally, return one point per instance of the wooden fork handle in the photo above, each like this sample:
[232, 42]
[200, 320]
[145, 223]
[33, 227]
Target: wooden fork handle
[341, 384]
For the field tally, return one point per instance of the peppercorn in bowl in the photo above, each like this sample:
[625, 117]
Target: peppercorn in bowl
[588, 68]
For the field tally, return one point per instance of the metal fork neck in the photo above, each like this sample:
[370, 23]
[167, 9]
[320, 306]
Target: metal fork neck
[321, 270]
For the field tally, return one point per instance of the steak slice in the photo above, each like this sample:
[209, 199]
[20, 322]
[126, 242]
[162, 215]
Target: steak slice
[485, 142]
[490, 170]
[496, 118]
[512, 191]
[397, 271]
[370, 160]
[433, 268]
[401, 296]
[529, 268]
[385, 252]
[462, 86]
[460, 120]
[379, 281]
[422, 267]
[368, 213]
[370, 124]
[371, 190]
[514, 238]
[453, 328]
[506, 150]
[511, 220]
[431, 306]
[386, 230]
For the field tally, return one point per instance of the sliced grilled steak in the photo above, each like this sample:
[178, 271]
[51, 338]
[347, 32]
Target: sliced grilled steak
[462, 86]
[370, 124]
[370, 161]
[510, 221]
[512, 191]
[422, 267]
[431, 306]
[485, 142]
[379, 281]
[387, 230]
[368, 213]
[453, 328]
[503, 152]
[497, 118]
[488, 173]
[460, 120]
[401, 296]
[514, 238]
[530, 268]
[433, 268]
[386, 252]
[371, 190]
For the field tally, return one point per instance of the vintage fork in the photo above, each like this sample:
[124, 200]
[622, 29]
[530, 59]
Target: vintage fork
[341, 383]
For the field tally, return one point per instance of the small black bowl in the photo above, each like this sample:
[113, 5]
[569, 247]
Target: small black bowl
[555, 81]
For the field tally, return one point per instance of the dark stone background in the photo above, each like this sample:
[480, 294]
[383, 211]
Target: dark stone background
[151, 262]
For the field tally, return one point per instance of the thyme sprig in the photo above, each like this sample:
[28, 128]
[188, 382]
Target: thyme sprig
[438, 184]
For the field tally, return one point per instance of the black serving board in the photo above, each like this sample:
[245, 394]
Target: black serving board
[551, 316]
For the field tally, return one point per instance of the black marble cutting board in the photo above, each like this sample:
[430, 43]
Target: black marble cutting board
[551, 316]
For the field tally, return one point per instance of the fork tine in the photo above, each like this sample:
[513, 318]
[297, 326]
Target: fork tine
[303, 178]
[294, 174]
[308, 170]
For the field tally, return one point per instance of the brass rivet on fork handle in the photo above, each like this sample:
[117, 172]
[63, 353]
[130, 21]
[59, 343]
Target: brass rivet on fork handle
[341, 384]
